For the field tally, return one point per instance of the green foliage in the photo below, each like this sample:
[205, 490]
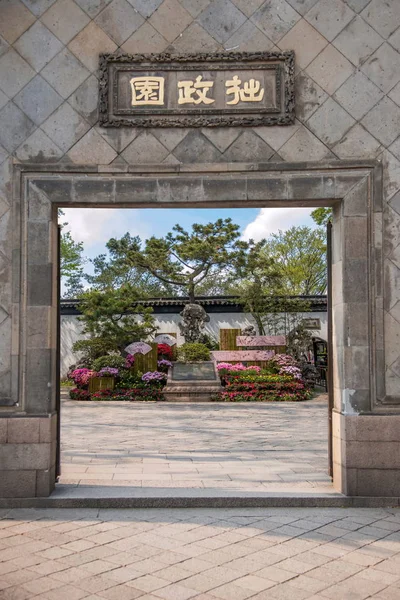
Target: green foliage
[193, 352]
[71, 262]
[93, 348]
[114, 270]
[109, 316]
[185, 260]
[128, 379]
[322, 215]
[110, 360]
[260, 282]
[263, 290]
[300, 256]
[249, 377]
[209, 341]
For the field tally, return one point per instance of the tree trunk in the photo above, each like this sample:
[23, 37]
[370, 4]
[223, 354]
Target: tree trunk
[259, 322]
[192, 298]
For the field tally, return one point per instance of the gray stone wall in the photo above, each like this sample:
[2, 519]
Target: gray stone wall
[348, 100]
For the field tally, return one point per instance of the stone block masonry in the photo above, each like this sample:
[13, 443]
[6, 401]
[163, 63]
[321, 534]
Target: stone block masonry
[27, 456]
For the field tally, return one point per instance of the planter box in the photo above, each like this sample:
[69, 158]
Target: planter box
[101, 383]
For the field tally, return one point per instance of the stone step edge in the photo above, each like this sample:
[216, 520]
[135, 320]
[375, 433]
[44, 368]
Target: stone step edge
[206, 502]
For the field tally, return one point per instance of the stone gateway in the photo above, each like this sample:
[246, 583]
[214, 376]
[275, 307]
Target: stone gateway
[342, 151]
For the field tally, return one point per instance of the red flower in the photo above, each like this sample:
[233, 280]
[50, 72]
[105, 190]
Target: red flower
[164, 350]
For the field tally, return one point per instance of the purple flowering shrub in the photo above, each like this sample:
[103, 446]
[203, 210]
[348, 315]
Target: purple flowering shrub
[164, 365]
[286, 365]
[108, 372]
[154, 378]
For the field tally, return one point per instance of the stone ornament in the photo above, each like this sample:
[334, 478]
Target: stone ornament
[194, 319]
[249, 330]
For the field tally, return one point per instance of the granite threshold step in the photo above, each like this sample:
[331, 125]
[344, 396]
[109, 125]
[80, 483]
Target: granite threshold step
[68, 496]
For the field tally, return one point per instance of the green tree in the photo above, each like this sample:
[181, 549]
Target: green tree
[71, 263]
[258, 281]
[261, 292]
[185, 260]
[112, 320]
[300, 256]
[322, 215]
[113, 270]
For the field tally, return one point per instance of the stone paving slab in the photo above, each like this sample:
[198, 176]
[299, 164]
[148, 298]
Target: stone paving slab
[204, 554]
[211, 449]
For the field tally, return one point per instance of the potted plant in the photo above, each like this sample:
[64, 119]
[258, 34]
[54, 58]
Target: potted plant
[107, 371]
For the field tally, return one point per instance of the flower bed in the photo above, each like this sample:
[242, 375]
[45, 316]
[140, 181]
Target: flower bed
[264, 391]
[112, 378]
[79, 394]
[142, 393]
[281, 382]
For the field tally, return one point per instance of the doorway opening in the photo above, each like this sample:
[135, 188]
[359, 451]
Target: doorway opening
[120, 432]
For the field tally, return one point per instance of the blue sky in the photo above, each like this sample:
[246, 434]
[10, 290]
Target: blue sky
[94, 227]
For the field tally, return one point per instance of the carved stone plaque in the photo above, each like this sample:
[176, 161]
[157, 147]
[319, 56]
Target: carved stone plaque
[202, 371]
[260, 340]
[312, 323]
[197, 90]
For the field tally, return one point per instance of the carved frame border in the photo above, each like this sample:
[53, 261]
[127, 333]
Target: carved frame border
[285, 116]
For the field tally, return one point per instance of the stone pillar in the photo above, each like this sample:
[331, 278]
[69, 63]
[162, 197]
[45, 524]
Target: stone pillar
[28, 427]
[366, 423]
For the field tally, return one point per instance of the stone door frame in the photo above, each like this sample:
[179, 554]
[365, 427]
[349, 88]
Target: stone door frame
[353, 188]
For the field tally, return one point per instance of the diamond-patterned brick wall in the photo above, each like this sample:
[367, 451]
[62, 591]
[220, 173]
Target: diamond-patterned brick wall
[348, 97]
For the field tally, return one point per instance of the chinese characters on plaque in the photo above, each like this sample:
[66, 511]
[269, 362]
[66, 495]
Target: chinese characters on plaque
[197, 90]
[149, 91]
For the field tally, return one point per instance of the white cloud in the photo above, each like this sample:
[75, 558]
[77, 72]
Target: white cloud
[271, 220]
[94, 227]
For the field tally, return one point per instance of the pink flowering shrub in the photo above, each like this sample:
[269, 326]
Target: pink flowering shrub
[81, 377]
[293, 371]
[283, 360]
[237, 367]
[129, 360]
[286, 365]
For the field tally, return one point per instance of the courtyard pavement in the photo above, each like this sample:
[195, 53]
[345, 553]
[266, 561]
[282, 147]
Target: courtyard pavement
[204, 554]
[200, 449]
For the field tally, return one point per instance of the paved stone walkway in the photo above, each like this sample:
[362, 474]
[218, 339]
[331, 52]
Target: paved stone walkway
[249, 447]
[274, 554]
